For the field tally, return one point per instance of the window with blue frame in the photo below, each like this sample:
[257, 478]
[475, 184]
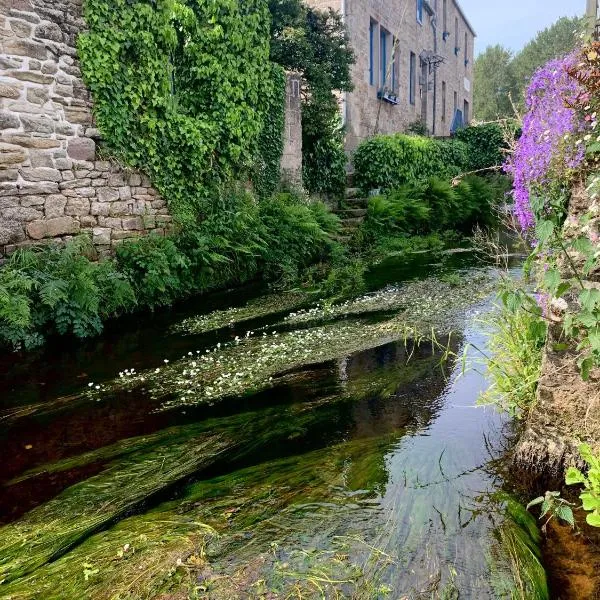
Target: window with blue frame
[412, 86]
[383, 56]
[419, 11]
[372, 30]
[394, 65]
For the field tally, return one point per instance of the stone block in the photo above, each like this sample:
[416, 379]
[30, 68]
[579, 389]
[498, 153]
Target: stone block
[34, 65]
[133, 224]
[93, 133]
[8, 175]
[113, 223]
[55, 206]
[135, 180]
[124, 235]
[33, 77]
[159, 203]
[40, 159]
[49, 67]
[82, 149]
[8, 202]
[86, 192]
[62, 226]
[15, 6]
[149, 221]
[101, 235]
[11, 232]
[11, 155]
[88, 221]
[100, 208]
[119, 208]
[9, 91]
[125, 193]
[81, 116]
[28, 201]
[75, 183]
[21, 213]
[49, 31]
[77, 207]
[102, 165]
[117, 179]
[63, 163]
[38, 188]
[68, 175]
[28, 141]
[9, 120]
[162, 220]
[107, 194]
[37, 124]
[20, 47]
[20, 28]
[38, 95]
[41, 174]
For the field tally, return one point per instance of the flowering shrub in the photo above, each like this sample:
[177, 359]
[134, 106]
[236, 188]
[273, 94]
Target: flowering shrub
[547, 150]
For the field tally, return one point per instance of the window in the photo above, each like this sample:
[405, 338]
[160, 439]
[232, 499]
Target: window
[466, 48]
[412, 87]
[466, 113]
[372, 30]
[394, 64]
[456, 46]
[419, 11]
[445, 19]
[443, 101]
[455, 102]
[383, 57]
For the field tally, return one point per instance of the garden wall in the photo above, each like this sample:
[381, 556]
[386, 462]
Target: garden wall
[52, 184]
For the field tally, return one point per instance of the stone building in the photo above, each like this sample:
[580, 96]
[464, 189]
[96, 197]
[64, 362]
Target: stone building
[414, 62]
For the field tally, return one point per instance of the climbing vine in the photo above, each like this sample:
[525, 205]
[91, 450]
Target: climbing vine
[179, 89]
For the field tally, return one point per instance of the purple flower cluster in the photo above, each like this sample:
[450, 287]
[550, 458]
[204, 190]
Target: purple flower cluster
[547, 147]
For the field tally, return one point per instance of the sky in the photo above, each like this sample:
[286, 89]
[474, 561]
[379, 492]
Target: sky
[513, 23]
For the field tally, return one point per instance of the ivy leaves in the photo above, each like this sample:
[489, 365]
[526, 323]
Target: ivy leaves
[590, 497]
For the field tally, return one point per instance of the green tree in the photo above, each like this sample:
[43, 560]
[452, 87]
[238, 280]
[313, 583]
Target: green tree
[316, 44]
[494, 84]
[555, 41]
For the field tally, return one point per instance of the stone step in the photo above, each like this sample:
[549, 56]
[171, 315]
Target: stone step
[356, 202]
[352, 192]
[351, 223]
[349, 213]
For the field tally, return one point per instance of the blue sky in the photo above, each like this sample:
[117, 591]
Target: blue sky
[513, 23]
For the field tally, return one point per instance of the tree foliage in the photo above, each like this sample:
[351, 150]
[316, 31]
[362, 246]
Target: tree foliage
[499, 75]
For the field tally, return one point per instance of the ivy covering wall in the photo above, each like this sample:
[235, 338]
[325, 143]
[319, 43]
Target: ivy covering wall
[180, 91]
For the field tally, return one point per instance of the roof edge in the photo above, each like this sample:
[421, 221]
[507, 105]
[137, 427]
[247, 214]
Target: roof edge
[462, 14]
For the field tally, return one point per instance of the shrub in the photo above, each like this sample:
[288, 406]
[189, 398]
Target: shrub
[298, 234]
[156, 269]
[485, 144]
[389, 161]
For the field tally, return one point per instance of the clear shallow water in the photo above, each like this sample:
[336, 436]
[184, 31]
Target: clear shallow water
[371, 475]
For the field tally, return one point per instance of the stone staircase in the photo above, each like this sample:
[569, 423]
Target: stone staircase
[351, 211]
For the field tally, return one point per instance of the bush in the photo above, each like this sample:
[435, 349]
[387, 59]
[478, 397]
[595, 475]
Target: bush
[485, 145]
[389, 161]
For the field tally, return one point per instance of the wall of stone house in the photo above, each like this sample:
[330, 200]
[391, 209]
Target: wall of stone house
[364, 113]
[52, 184]
[291, 159]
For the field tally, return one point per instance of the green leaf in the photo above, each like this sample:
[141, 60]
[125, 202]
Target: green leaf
[588, 500]
[552, 280]
[593, 519]
[593, 148]
[544, 231]
[565, 513]
[589, 298]
[574, 476]
[535, 502]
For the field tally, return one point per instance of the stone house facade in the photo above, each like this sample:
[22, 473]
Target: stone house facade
[414, 62]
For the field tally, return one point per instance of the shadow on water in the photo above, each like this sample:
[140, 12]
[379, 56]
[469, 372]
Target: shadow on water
[360, 477]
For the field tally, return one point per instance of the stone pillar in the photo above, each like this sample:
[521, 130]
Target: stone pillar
[291, 159]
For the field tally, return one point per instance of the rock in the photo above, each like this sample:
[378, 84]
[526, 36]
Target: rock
[113, 223]
[37, 124]
[135, 180]
[107, 194]
[8, 175]
[41, 174]
[63, 163]
[40, 159]
[9, 120]
[49, 67]
[21, 213]
[81, 116]
[117, 179]
[86, 192]
[31, 142]
[55, 206]
[11, 155]
[102, 165]
[74, 184]
[36, 229]
[82, 149]
[38, 95]
[33, 77]
[101, 235]
[21, 47]
[100, 208]
[78, 207]
[123, 235]
[21, 29]
[125, 193]
[49, 31]
[133, 223]
[11, 232]
[28, 201]
[61, 226]
[119, 208]
[64, 128]
[9, 91]
[37, 188]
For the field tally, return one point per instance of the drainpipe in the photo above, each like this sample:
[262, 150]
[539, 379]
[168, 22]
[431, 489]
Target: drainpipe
[592, 15]
[345, 94]
[434, 27]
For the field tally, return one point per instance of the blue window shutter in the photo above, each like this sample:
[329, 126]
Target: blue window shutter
[371, 53]
[383, 51]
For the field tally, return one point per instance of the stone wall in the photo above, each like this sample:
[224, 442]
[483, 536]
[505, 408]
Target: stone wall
[291, 159]
[52, 184]
[364, 113]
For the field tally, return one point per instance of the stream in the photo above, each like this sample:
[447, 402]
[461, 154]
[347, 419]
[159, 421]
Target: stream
[246, 445]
